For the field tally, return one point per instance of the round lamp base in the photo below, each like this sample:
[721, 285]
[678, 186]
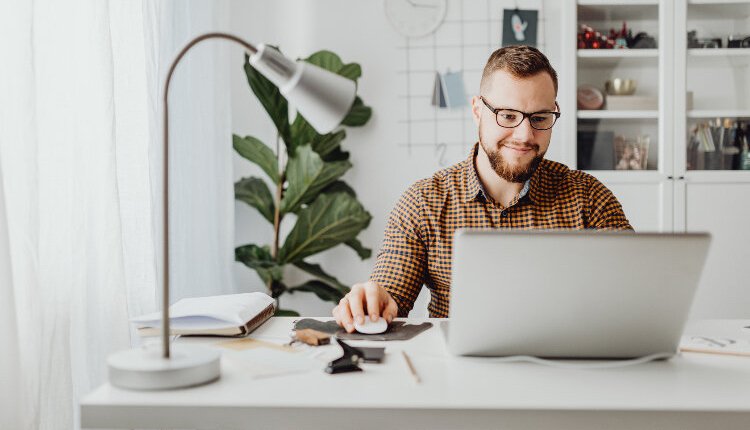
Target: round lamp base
[146, 369]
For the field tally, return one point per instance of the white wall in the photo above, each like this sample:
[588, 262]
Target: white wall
[359, 32]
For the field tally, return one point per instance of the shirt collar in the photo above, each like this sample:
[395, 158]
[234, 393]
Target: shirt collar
[474, 187]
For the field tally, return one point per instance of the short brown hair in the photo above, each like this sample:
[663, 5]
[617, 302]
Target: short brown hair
[521, 61]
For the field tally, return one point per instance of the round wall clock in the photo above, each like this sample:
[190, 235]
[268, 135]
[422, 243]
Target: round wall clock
[415, 18]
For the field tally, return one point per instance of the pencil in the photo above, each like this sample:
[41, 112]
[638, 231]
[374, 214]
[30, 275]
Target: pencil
[412, 370]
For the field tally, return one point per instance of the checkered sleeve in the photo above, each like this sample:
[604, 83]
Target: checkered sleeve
[402, 261]
[605, 212]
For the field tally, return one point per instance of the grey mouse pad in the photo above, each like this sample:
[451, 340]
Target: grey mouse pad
[397, 330]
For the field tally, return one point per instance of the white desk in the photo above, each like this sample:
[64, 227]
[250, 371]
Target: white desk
[692, 391]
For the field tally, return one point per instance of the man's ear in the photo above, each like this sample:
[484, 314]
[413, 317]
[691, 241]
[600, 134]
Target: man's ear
[476, 109]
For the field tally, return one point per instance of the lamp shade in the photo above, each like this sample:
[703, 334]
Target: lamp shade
[321, 97]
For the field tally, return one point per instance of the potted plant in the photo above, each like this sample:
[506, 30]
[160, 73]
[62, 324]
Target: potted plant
[307, 187]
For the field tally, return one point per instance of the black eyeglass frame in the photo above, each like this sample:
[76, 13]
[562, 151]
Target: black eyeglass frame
[524, 115]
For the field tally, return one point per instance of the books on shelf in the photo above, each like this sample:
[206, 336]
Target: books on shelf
[227, 315]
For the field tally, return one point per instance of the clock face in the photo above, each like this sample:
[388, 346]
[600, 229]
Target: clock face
[415, 18]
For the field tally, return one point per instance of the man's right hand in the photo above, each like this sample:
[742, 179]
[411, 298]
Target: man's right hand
[366, 299]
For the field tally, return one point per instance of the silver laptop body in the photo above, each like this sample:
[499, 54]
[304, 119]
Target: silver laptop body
[575, 294]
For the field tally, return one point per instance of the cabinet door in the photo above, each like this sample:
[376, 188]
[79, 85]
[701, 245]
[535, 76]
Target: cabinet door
[647, 205]
[723, 209]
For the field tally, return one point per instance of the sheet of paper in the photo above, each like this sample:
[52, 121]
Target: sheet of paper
[264, 361]
[453, 87]
[715, 345]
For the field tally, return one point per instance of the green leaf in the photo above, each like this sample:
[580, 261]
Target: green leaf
[330, 220]
[324, 291]
[358, 115]
[327, 60]
[257, 152]
[339, 187]
[327, 143]
[270, 97]
[352, 71]
[308, 175]
[278, 288]
[336, 155]
[255, 192]
[302, 134]
[318, 272]
[260, 260]
[285, 313]
[356, 245]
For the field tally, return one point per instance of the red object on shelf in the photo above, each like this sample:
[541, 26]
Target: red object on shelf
[588, 38]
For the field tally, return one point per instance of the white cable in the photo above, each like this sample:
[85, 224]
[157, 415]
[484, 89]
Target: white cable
[567, 365]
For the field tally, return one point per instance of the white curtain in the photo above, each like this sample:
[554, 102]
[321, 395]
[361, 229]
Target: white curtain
[80, 144]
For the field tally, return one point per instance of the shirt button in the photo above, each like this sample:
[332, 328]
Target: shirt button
[504, 214]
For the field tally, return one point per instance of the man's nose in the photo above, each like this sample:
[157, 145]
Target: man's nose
[524, 132]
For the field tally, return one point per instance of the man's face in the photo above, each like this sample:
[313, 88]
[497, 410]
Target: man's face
[514, 153]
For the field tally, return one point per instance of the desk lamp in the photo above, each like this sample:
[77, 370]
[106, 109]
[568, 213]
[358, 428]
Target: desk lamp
[323, 99]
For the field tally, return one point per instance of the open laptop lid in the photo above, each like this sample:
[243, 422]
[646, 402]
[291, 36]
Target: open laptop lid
[572, 293]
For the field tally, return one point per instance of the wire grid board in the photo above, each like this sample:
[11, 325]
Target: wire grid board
[471, 31]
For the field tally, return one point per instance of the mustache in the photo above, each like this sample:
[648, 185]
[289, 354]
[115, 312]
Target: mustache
[532, 146]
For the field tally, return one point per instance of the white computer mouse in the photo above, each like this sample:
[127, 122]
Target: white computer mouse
[371, 327]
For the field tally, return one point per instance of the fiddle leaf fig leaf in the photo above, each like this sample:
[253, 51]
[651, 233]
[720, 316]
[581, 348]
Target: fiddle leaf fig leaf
[326, 60]
[308, 175]
[328, 143]
[330, 220]
[358, 115]
[255, 192]
[257, 152]
[259, 259]
[302, 134]
[270, 97]
[324, 291]
[352, 71]
[339, 187]
[356, 245]
[285, 313]
[318, 272]
[278, 288]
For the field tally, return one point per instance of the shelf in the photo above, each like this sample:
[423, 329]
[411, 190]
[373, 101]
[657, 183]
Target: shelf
[617, 11]
[719, 57]
[627, 176]
[700, 113]
[618, 57]
[618, 53]
[717, 176]
[618, 114]
[721, 9]
[718, 2]
[617, 2]
[718, 52]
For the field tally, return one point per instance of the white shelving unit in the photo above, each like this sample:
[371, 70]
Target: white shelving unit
[618, 53]
[718, 113]
[669, 197]
[618, 114]
[719, 52]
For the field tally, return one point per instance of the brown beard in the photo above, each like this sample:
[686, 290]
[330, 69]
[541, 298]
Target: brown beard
[519, 174]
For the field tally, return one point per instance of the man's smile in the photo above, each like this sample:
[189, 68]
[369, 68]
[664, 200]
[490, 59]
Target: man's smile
[520, 149]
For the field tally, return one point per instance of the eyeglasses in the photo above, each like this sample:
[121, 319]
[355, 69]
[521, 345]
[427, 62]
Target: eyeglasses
[511, 118]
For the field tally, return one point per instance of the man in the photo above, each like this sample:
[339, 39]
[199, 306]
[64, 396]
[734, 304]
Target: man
[505, 183]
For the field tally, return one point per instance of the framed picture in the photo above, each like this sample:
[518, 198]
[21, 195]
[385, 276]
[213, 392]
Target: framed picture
[519, 27]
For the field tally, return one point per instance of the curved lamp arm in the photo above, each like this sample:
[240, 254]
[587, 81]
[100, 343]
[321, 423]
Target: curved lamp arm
[322, 97]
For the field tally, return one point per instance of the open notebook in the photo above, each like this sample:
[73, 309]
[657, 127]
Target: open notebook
[228, 315]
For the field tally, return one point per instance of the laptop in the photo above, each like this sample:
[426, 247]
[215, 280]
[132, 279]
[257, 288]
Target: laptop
[572, 294]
